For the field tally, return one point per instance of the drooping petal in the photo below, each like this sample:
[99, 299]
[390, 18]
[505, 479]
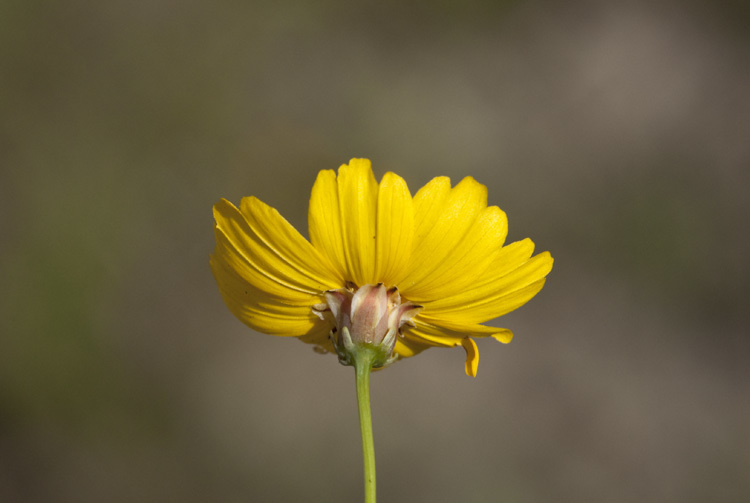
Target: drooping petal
[472, 356]
[435, 332]
[504, 287]
[456, 237]
[395, 229]
[268, 252]
[263, 311]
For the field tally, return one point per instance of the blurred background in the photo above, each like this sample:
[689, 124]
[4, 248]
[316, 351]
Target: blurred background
[614, 134]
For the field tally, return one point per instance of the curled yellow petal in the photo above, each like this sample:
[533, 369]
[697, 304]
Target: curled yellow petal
[504, 336]
[472, 356]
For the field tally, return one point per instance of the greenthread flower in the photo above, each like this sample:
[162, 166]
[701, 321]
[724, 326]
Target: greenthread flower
[407, 272]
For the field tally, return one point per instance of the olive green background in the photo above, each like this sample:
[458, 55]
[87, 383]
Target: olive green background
[614, 134]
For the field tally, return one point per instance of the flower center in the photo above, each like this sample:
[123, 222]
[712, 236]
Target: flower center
[371, 315]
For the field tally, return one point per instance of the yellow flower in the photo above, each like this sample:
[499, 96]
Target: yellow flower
[442, 250]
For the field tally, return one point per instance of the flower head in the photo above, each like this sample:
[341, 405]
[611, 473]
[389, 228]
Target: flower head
[385, 267]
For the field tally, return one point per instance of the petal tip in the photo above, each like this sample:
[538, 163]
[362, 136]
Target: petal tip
[358, 163]
[503, 335]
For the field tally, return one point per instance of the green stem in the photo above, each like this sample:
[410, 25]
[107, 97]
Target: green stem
[362, 364]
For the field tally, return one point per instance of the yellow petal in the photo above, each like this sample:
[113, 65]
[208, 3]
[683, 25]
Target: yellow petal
[435, 332]
[365, 229]
[268, 252]
[438, 330]
[472, 356]
[456, 237]
[510, 258]
[344, 227]
[463, 265]
[262, 311]
[407, 347]
[358, 196]
[518, 280]
[395, 230]
[226, 252]
[288, 244]
[324, 220]
[427, 333]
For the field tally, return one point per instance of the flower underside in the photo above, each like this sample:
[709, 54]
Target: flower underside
[371, 315]
[415, 272]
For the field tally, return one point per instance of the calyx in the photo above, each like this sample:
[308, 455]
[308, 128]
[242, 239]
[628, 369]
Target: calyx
[366, 317]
